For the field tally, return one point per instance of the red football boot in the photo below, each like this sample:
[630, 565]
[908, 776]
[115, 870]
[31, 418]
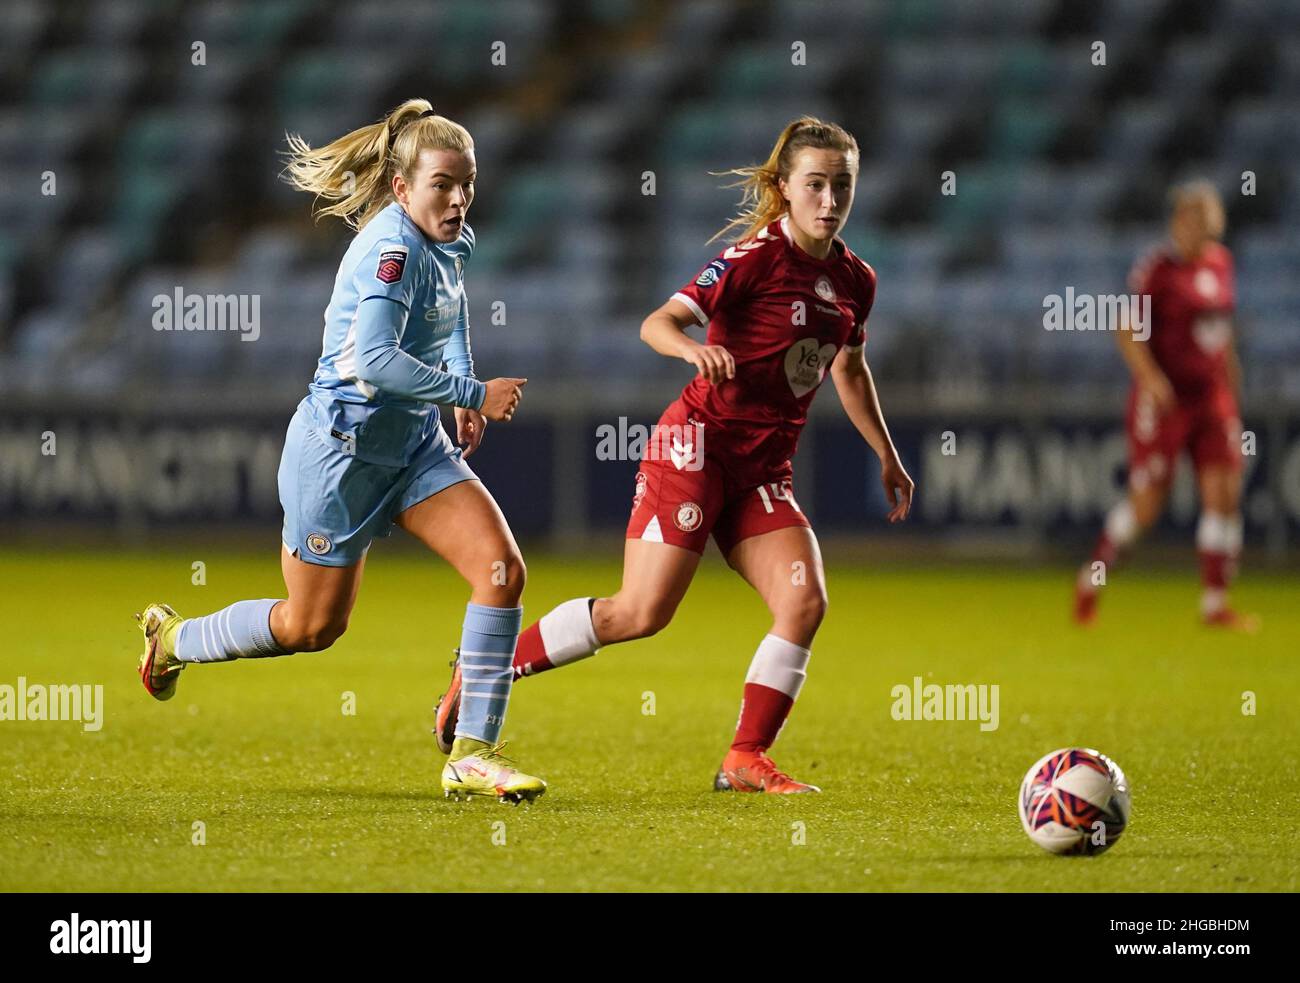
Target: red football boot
[1232, 621]
[1085, 605]
[754, 771]
[447, 712]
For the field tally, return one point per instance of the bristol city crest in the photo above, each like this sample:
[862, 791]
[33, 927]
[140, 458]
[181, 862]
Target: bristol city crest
[688, 517]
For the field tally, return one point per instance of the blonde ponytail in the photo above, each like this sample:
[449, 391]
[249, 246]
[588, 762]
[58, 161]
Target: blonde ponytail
[354, 174]
[761, 202]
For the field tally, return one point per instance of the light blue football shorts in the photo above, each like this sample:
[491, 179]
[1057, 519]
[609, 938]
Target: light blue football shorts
[335, 505]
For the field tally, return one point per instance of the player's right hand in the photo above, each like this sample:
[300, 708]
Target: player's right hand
[713, 362]
[502, 398]
[1162, 393]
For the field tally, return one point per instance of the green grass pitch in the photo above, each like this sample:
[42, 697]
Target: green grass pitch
[294, 794]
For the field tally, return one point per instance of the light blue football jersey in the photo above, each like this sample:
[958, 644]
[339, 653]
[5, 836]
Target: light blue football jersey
[391, 258]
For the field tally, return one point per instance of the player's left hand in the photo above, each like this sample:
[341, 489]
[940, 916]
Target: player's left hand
[898, 488]
[469, 429]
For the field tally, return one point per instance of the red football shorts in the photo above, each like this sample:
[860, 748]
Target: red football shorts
[682, 508]
[1210, 428]
[684, 494]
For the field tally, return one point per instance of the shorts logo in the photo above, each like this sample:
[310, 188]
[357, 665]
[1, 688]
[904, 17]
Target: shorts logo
[824, 290]
[683, 454]
[319, 544]
[391, 264]
[688, 517]
[712, 273]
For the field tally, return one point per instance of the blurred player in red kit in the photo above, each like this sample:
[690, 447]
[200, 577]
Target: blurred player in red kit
[784, 303]
[1186, 378]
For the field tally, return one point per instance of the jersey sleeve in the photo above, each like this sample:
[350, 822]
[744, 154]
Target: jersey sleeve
[457, 355]
[1229, 271]
[867, 285]
[382, 363]
[388, 270]
[724, 280]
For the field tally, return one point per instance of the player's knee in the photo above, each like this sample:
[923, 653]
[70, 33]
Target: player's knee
[805, 610]
[517, 574]
[503, 579]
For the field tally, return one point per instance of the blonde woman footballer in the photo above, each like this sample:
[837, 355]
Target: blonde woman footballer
[366, 449]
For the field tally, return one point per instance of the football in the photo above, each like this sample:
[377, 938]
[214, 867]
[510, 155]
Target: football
[1074, 801]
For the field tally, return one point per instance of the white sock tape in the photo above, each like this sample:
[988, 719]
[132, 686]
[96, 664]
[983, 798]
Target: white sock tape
[1122, 524]
[567, 633]
[779, 665]
[1213, 533]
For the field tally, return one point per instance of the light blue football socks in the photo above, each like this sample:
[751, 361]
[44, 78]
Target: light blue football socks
[241, 631]
[487, 649]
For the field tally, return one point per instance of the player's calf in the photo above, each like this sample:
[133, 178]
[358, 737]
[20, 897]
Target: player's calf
[624, 619]
[310, 632]
[776, 676]
[1124, 524]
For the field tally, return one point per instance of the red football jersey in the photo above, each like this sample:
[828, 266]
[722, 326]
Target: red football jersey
[1191, 316]
[783, 315]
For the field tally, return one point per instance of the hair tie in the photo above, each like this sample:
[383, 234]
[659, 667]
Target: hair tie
[427, 112]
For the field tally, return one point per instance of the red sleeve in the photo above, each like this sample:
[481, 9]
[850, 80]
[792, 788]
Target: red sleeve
[868, 297]
[1229, 275]
[1229, 265]
[723, 281]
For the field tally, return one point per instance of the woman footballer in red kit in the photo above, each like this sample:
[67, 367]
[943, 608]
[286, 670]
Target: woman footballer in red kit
[783, 303]
[1184, 396]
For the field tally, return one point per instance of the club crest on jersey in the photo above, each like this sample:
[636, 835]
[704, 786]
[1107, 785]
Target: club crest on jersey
[460, 267]
[391, 264]
[824, 290]
[688, 516]
[319, 543]
[711, 273]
